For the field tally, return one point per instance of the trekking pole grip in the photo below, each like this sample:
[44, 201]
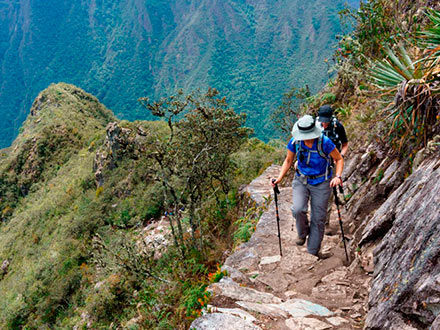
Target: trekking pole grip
[341, 190]
[275, 189]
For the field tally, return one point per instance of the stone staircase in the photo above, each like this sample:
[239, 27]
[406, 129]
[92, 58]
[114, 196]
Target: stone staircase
[296, 291]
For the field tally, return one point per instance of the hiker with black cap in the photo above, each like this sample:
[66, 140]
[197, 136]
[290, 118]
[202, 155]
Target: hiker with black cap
[333, 129]
[313, 180]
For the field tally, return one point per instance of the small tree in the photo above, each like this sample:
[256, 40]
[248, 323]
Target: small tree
[194, 160]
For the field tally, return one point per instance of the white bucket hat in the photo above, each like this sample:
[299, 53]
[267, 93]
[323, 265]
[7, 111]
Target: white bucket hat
[306, 129]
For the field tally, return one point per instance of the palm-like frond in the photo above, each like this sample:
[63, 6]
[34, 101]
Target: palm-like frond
[431, 38]
[395, 69]
[416, 86]
[432, 34]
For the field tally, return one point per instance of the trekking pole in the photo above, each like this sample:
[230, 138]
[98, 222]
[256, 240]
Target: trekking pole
[340, 220]
[341, 190]
[276, 191]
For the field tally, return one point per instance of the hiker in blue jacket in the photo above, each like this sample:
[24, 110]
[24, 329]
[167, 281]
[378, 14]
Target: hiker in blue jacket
[313, 180]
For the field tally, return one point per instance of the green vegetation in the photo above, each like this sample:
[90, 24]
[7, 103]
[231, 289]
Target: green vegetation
[386, 88]
[246, 224]
[414, 85]
[120, 51]
[194, 162]
[74, 238]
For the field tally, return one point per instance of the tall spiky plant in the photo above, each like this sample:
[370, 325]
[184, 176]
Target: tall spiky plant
[415, 85]
[431, 37]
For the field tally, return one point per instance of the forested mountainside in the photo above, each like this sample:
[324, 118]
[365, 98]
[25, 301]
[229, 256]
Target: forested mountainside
[116, 224]
[251, 51]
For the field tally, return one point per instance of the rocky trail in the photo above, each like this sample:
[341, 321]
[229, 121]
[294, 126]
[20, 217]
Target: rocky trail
[264, 290]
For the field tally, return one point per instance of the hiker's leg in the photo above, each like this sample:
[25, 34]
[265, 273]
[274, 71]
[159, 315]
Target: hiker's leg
[300, 200]
[319, 195]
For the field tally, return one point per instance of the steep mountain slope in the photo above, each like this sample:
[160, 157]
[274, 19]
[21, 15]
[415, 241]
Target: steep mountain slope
[252, 51]
[78, 191]
[44, 179]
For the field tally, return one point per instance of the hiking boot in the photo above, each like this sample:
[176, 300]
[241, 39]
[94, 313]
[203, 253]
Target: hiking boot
[300, 241]
[324, 255]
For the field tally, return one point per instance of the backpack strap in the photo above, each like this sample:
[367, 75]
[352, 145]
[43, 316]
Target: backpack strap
[334, 136]
[324, 155]
[297, 146]
[320, 151]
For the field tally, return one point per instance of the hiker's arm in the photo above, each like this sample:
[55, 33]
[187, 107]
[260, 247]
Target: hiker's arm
[286, 165]
[339, 164]
[344, 149]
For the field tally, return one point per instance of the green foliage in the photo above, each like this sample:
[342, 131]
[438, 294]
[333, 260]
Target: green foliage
[194, 300]
[379, 176]
[254, 157]
[246, 224]
[217, 275]
[285, 116]
[395, 69]
[203, 139]
[328, 98]
[412, 108]
[430, 39]
[378, 23]
[105, 50]
[344, 112]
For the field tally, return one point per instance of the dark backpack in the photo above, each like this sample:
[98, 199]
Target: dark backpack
[332, 134]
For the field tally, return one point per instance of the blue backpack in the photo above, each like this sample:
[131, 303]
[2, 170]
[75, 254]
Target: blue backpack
[300, 151]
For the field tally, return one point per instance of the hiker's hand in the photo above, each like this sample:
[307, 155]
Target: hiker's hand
[274, 182]
[336, 182]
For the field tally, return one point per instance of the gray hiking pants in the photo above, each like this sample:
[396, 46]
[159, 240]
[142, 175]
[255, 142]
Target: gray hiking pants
[319, 195]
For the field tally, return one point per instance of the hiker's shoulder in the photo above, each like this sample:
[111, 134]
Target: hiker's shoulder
[327, 144]
[340, 129]
[325, 139]
[291, 144]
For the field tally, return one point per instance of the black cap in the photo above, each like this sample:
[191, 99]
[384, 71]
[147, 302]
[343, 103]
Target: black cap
[325, 114]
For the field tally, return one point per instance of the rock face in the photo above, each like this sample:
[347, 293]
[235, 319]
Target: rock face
[116, 140]
[396, 229]
[406, 284]
[4, 268]
[120, 143]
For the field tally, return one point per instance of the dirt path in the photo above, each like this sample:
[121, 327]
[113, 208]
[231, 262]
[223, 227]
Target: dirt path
[295, 291]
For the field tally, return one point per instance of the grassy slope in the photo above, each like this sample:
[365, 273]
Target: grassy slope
[47, 233]
[43, 238]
